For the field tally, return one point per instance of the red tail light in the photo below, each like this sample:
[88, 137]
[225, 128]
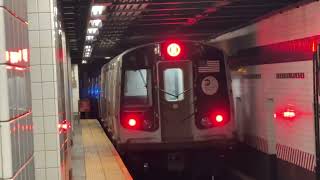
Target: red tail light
[219, 118]
[173, 49]
[132, 122]
[213, 120]
[138, 120]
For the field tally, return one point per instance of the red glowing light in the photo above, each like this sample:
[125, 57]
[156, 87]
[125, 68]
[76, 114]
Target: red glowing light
[132, 122]
[289, 114]
[174, 49]
[25, 55]
[9, 67]
[19, 69]
[64, 126]
[219, 118]
[15, 57]
[313, 47]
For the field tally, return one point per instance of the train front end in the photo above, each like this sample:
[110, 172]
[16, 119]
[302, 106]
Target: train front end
[175, 95]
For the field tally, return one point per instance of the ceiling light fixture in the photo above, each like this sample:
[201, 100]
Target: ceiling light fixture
[97, 10]
[92, 31]
[95, 23]
[89, 38]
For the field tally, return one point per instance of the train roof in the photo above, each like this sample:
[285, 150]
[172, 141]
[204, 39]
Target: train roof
[149, 44]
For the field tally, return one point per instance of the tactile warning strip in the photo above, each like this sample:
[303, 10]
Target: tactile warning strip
[102, 162]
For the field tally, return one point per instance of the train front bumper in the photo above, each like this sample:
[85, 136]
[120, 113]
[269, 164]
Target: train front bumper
[220, 144]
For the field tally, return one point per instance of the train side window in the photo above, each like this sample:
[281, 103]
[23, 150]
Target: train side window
[173, 84]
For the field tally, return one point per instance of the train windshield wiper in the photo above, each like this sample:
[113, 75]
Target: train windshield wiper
[176, 96]
[143, 79]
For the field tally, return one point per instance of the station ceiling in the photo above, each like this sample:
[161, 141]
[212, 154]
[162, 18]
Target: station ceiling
[127, 23]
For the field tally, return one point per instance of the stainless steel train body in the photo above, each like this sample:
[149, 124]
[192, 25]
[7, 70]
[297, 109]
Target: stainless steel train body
[167, 96]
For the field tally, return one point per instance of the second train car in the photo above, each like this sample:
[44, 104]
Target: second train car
[170, 100]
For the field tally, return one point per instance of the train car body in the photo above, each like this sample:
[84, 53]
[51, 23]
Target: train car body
[169, 96]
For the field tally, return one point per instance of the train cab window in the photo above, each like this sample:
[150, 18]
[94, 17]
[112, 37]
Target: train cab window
[173, 84]
[136, 89]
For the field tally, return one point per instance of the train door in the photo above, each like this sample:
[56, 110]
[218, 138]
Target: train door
[176, 107]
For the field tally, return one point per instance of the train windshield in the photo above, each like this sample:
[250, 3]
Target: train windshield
[173, 84]
[136, 87]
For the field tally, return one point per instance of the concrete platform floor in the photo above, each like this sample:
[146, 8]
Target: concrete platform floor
[93, 155]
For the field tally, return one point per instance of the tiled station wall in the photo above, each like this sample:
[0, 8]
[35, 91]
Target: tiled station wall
[16, 137]
[264, 89]
[50, 85]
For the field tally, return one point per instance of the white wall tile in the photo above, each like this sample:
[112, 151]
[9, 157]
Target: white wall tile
[40, 174]
[36, 90]
[49, 107]
[39, 159]
[51, 159]
[38, 125]
[47, 73]
[37, 109]
[45, 38]
[35, 56]
[39, 142]
[50, 124]
[35, 74]
[32, 6]
[52, 174]
[47, 55]
[44, 6]
[34, 38]
[45, 21]
[51, 142]
[48, 90]
[33, 20]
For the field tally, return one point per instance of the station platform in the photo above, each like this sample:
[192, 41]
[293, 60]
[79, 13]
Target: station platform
[94, 156]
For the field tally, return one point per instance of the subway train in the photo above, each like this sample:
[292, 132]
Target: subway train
[171, 100]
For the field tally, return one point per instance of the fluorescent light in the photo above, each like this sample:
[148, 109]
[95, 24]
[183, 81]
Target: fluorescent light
[107, 57]
[84, 62]
[87, 47]
[95, 23]
[89, 38]
[92, 30]
[97, 10]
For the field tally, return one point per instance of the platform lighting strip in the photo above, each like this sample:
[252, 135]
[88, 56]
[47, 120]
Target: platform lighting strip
[94, 24]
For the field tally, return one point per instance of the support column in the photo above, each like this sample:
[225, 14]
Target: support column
[50, 78]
